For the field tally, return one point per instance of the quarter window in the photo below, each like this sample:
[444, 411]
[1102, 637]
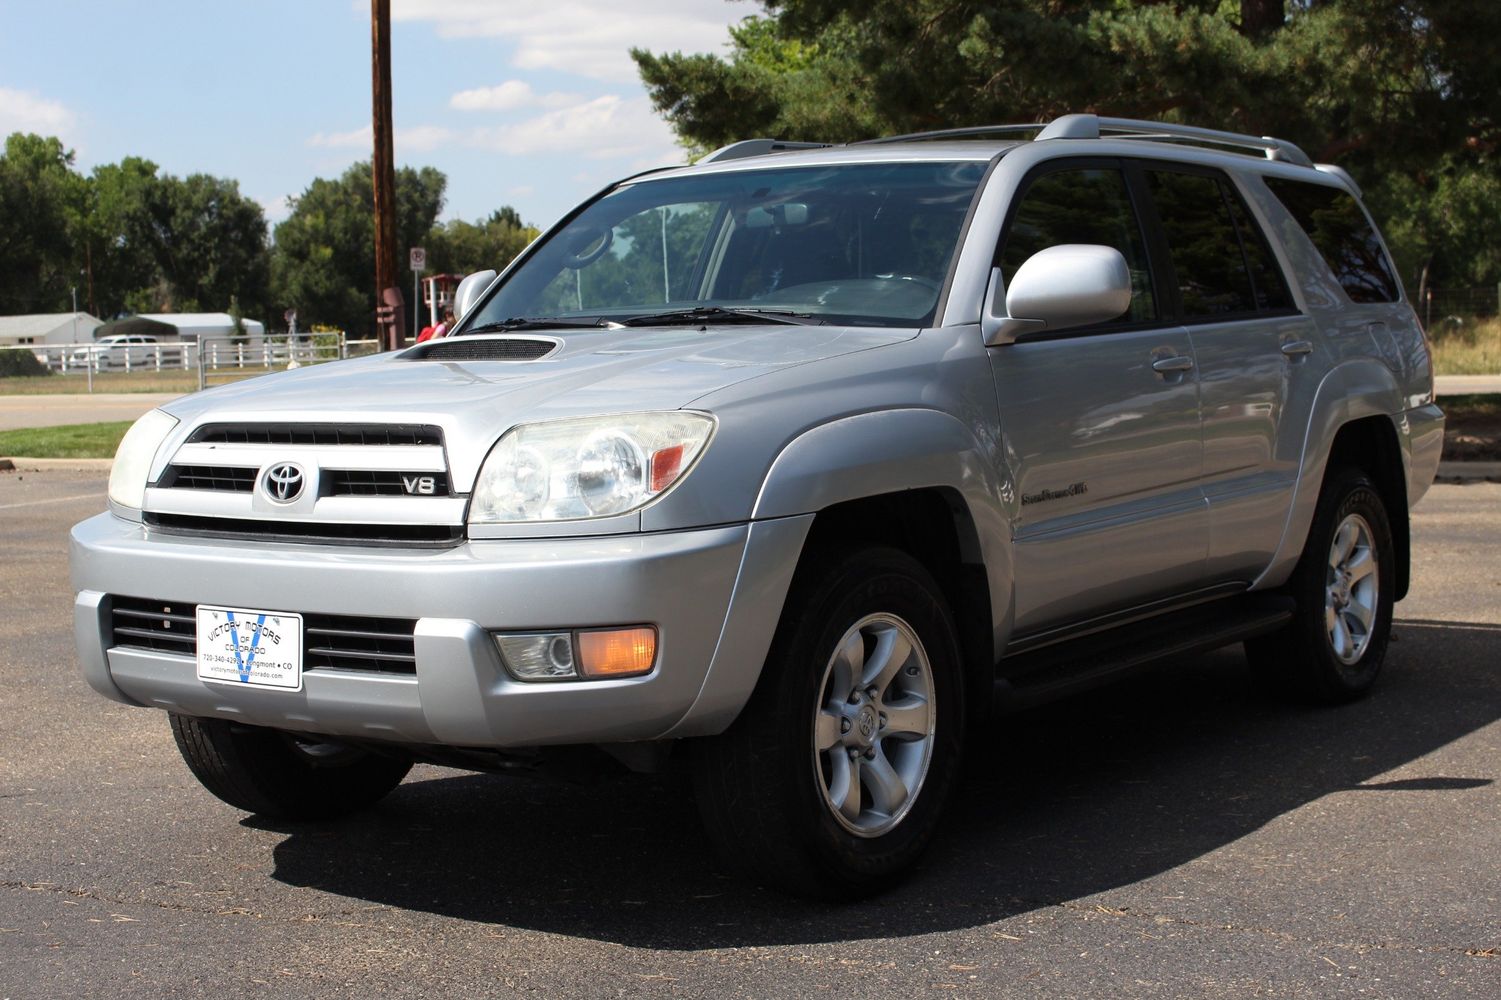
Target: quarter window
[1343, 235]
[1081, 206]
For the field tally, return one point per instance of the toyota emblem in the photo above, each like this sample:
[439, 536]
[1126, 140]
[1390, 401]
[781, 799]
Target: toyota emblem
[283, 482]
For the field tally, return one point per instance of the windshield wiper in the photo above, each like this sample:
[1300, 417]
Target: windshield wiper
[537, 323]
[716, 314]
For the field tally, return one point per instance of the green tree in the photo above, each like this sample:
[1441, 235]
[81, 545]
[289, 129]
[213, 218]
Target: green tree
[459, 247]
[41, 197]
[1406, 94]
[323, 263]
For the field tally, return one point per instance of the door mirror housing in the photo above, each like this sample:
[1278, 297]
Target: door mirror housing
[469, 291]
[1062, 287]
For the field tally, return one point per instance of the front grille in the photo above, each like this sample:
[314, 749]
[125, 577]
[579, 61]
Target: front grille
[435, 535]
[170, 626]
[325, 434]
[377, 483]
[476, 349]
[223, 478]
[329, 642]
[349, 642]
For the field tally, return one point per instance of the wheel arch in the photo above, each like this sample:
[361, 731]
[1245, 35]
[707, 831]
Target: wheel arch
[911, 478]
[1355, 421]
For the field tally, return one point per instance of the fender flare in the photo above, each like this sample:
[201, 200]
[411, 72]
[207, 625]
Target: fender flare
[1354, 390]
[890, 451]
[852, 458]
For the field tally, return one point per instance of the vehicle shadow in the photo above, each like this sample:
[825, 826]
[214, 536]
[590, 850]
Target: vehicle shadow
[1078, 797]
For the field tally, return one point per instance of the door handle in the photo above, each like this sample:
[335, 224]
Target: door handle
[1181, 363]
[1293, 348]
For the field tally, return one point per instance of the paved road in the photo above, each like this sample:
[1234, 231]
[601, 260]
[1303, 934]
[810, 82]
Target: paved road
[1173, 836]
[1458, 385]
[76, 408]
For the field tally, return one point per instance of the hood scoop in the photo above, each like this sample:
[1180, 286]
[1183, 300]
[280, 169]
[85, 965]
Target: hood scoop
[485, 349]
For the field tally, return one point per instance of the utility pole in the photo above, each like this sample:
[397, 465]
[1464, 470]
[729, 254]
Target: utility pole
[383, 163]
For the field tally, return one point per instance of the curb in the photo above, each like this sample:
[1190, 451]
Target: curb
[1468, 472]
[20, 464]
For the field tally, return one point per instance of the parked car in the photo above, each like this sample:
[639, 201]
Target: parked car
[793, 467]
[128, 351]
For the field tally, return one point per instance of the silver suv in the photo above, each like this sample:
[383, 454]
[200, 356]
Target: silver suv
[792, 467]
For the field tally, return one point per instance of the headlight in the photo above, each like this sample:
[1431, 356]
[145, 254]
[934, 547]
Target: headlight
[127, 477]
[564, 470]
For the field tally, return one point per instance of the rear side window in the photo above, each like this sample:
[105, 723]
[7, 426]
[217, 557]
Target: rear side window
[1081, 206]
[1339, 229]
[1222, 266]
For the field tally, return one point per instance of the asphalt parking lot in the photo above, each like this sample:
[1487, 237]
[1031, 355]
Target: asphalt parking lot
[1171, 836]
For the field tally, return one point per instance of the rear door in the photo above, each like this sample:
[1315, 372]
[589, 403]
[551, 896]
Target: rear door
[1100, 424]
[1255, 354]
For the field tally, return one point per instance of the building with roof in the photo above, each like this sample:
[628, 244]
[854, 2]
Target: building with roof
[184, 326]
[48, 328]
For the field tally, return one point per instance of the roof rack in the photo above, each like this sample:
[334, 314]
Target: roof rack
[975, 131]
[757, 147]
[1095, 127]
[1065, 127]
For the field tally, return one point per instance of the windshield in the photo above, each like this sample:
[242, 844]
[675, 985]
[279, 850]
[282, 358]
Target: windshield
[858, 244]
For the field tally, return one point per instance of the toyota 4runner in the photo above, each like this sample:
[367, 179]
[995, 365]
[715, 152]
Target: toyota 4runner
[793, 465]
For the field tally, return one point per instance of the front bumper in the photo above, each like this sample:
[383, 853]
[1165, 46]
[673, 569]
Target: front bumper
[460, 694]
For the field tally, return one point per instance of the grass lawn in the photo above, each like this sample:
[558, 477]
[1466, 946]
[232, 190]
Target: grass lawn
[1471, 349]
[38, 385]
[70, 441]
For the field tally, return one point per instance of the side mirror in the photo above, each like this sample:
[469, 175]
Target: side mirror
[469, 291]
[1059, 288]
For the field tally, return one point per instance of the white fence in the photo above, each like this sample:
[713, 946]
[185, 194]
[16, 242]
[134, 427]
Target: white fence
[211, 358]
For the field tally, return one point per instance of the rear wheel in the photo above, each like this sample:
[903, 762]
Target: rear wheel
[280, 775]
[1344, 585]
[832, 780]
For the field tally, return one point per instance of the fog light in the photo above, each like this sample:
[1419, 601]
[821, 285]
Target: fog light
[620, 652]
[544, 656]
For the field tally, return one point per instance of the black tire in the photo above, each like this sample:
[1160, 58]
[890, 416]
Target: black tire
[273, 774]
[1301, 662]
[765, 792]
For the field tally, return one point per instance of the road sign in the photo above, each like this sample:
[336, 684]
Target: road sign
[418, 258]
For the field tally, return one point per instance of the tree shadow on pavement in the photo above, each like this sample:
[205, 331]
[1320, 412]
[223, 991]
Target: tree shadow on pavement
[1077, 798]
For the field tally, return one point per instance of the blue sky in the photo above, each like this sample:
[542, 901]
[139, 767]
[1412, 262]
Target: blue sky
[531, 103]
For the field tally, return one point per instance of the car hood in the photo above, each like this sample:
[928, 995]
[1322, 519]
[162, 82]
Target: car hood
[474, 402]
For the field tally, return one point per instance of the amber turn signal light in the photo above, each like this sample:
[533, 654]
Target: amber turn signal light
[620, 652]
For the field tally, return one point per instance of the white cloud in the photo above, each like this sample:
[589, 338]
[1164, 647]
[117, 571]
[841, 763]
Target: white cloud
[608, 126]
[508, 96]
[589, 38]
[276, 208]
[417, 138]
[363, 137]
[24, 111]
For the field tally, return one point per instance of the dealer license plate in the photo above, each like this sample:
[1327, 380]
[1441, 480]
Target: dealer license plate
[248, 647]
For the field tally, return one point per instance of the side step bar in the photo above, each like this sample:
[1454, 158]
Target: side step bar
[1064, 668]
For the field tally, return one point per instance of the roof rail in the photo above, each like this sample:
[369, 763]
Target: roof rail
[757, 147]
[973, 131]
[1094, 127]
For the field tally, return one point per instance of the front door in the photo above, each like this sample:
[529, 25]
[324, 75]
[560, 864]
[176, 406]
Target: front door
[1100, 425]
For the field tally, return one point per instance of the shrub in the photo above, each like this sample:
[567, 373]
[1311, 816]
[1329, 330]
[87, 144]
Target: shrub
[21, 362]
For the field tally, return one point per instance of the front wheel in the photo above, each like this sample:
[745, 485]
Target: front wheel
[832, 780]
[1344, 586]
[281, 775]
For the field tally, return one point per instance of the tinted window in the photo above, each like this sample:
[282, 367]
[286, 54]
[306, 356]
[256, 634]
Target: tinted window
[1266, 277]
[1081, 206]
[1340, 231]
[1208, 259]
